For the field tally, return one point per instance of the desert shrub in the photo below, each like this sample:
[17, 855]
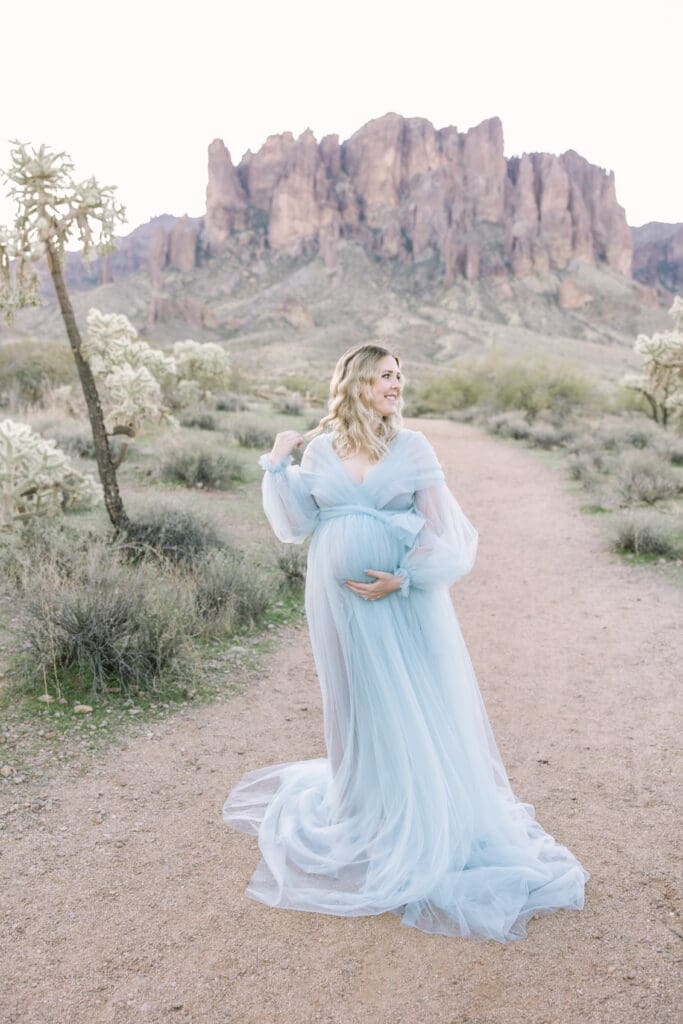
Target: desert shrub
[29, 370]
[210, 470]
[645, 477]
[547, 435]
[304, 385]
[231, 402]
[646, 532]
[169, 533]
[458, 390]
[533, 385]
[251, 433]
[289, 405]
[73, 440]
[510, 424]
[671, 449]
[291, 561]
[636, 436]
[42, 541]
[231, 593]
[587, 467]
[109, 627]
[201, 421]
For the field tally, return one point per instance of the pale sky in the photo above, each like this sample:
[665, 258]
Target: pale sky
[136, 91]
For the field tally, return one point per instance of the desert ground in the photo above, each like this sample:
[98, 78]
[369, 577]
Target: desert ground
[123, 891]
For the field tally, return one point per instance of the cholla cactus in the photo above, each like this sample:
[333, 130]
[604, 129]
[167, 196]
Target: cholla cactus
[136, 381]
[130, 374]
[661, 383]
[206, 366]
[52, 209]
[36, 478]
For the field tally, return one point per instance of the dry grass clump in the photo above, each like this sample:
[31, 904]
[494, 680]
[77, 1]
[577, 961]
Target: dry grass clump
[645, 478]
[231, 593]
[538, 434]
[201, 468]
[291, 560]
[646, 532]
[72, 438]
[106, 627]
[251, 433]
[168, 533]
[231, 402]
[289, 405]
[98, 618]
[588, 467]
[200, 421]
[670, 448]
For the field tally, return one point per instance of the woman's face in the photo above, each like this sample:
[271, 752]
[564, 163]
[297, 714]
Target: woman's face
[387, 388]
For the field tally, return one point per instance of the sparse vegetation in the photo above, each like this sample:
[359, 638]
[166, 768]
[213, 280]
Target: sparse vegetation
[231, 593]
[104, 627]
[171, 534]
[291, 560]
[201, 421]
[645, 478]
[645, 532]
[31, 370]
[251, 433]
[197, 468]
[497, 384]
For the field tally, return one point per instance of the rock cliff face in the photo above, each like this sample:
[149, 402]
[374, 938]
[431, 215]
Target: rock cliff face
[410, 192]
[658, 255]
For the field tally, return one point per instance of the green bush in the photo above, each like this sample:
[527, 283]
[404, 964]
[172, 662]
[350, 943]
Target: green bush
[210, 470]
[648, 533]
[533, 385]
[169, 533]
[29, 370]
[447, 393]
[106, 628]
[645, 477]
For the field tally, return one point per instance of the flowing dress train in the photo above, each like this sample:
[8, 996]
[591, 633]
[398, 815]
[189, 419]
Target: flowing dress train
[412, 810]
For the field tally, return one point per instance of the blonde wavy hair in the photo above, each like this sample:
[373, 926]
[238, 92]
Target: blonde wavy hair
[352, 419]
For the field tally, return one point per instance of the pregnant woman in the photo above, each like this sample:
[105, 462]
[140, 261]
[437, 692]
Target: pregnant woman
[412, 810]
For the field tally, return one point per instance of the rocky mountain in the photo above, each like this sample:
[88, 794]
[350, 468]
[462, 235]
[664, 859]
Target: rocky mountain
[431, 237]
[408, 192]
[658, 255]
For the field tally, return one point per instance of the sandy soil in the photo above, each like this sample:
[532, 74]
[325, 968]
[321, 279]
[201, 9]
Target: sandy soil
[123, 893]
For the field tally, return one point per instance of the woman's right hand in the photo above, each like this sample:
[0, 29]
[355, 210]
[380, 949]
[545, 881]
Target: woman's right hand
[283, 445]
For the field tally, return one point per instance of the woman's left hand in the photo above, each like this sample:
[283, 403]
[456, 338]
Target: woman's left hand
[385, 583]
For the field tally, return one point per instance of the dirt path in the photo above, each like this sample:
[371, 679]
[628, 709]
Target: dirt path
[125, 902]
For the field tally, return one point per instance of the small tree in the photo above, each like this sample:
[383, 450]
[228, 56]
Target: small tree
[52, 209]
[661, 383]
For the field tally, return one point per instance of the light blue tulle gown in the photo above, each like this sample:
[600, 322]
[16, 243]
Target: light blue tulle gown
[411, 811]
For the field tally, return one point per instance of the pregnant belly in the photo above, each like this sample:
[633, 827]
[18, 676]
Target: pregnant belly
[348, 545]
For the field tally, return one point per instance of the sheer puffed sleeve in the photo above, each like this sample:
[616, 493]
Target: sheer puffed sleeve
[290, 508]
[446, 547]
